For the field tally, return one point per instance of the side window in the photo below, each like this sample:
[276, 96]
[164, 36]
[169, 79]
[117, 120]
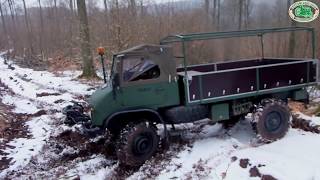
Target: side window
[139, 68]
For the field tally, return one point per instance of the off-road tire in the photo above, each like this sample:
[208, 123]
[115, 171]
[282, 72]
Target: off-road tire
[128, 151]
[271, 120]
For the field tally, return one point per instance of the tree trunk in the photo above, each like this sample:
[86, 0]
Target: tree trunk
[71, 29]
[214, 14]
[13, 34]
[29, 39]
[87, 59]
[218, 14]
[5, 31]
[240, 14]
[133, 8]
[292, 38]
[206, 9]
[106, 16]
[41, 31]
[56, 38]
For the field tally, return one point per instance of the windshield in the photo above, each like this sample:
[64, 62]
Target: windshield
[114, 70]
[139, 68]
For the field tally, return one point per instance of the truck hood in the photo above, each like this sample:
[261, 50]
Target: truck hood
[99, 96]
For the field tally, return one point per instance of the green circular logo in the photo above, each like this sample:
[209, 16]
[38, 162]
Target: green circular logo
[304, 11]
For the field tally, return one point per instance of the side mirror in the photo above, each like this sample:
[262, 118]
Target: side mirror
[116, 81]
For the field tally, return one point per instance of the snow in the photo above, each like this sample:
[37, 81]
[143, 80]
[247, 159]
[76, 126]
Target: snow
[281, 159]
[21, 105]
[27, 84]
[88, 169]
[293, 157]
[25, 148]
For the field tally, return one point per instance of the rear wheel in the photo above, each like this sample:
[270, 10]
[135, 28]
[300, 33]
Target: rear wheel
[271, 120]
[137, 143]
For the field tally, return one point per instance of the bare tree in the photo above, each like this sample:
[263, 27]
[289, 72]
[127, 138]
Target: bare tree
[218, 14]
[71, 28]
[51, 26]
[14, 25]
[206, 9]
[41, 31]
[240, 14]
[133, 8]
[247, 6]
[5, 31]
[31, 52]
[292, 38]
[86, 54]
[106, 16]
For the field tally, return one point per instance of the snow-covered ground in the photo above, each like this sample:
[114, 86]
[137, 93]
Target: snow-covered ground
[52, 150]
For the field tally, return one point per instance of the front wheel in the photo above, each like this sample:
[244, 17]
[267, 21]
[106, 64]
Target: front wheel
[271, 120]
[137, 143]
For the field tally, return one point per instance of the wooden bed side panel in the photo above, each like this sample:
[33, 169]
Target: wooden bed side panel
[241, 81]
[281, 76]
[223, 84]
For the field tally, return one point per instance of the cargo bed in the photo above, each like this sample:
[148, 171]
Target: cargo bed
[237, 79]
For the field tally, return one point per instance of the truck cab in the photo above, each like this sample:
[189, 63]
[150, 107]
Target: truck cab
[143, 77]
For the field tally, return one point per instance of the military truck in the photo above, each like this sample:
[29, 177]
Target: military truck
[147, 92]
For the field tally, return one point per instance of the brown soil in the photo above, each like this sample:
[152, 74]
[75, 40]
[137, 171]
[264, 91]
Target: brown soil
[9, 130]
[254, 172]
[301, 107]
[82, 144]
[47, 94]
[233, 158]
[305, 125]
[59, 101]
[244, 163]
[268, 177]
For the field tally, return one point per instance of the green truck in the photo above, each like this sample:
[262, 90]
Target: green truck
[147, 92]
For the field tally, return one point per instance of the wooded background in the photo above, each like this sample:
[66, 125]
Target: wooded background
[49, 32]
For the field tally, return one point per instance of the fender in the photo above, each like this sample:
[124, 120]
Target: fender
[139, 110]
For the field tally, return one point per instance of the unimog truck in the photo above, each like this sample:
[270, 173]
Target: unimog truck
[146, 92]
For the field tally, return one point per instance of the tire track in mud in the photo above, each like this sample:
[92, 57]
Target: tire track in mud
[304, 124]
[17, 127]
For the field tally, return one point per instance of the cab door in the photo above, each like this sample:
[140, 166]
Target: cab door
[145, 85]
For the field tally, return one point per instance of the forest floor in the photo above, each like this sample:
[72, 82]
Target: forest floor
[35, 144]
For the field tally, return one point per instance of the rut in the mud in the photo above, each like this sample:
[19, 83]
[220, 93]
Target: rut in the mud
[306, 125]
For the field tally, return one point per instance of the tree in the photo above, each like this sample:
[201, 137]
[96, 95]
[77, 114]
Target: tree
[41, 30]
[133, 8]
[106, 16]
[14, 25]
[71, 28]
[240, 14]
[31, 52]
[3, 24]
[206, 9]
[86, 55]
[218, 14]
[292, 38]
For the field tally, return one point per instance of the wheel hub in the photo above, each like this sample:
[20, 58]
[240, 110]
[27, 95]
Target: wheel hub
[142, 145]
[273, 121]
